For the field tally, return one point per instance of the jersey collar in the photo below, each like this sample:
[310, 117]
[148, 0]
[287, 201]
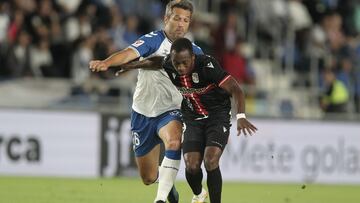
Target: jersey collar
[167, 36]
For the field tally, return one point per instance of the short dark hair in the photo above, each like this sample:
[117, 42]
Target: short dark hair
[181, 44]
[183, 4]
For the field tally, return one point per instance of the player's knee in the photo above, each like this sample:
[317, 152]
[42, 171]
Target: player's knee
[148, 180]
[173, 144]
[193, 167]
[211, 163]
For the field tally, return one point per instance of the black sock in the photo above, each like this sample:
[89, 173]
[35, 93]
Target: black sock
[214, 183]
[194, 181]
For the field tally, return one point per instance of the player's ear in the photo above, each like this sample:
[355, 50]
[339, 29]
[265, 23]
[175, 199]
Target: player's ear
[166, 19]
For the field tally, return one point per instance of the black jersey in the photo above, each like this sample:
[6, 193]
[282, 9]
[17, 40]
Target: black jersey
[200, 89]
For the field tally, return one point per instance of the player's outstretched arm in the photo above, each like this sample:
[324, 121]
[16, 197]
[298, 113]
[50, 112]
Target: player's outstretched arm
[152, 63]
[118, 58]
[231, 86]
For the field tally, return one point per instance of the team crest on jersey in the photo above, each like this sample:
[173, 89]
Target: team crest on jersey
[210, 65]
[195, 78]
[138, 43]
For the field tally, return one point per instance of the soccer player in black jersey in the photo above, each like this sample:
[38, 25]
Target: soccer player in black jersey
[206, 90]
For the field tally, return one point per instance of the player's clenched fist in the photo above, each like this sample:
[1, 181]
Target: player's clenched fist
[98, 65]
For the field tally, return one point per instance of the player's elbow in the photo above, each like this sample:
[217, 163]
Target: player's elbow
[235, 91]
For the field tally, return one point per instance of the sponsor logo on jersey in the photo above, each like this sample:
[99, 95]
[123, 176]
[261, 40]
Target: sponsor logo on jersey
[188, 91]
[195, 78]
[138, 43]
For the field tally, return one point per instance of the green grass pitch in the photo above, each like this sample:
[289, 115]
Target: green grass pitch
[131, 190]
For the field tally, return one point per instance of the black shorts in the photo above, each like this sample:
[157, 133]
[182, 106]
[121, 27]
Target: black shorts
[199, 134]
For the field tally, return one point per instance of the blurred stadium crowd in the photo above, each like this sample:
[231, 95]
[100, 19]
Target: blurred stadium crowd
[296, 58]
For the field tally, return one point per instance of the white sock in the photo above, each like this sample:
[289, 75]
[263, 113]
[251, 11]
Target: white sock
[167, 175]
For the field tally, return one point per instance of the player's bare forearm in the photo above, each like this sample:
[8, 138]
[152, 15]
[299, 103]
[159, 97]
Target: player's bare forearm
[239, 98]
[243, 125]
[152, 63]
[115, 59]
[121, 57]
[233, 88]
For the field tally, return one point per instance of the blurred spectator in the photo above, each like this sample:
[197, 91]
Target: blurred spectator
[347, 9]
[341, 53]
[69, 7]
[18, 57]
[225, 35]
[317, 40]
[4, 23]
[270, 22]
[80, 69]
[201, 29]
[357, 92]
[316, 8]
[227, 6]
[300, 23]
[41, 60]
[27, 6]
[131, 33]
[41, 21]
[356, 73]
[117, 29]
[4, 20]
[15, 25]
[237, 65]
[357, 17]
[299, 15]
[103, 44]
[77, 26]
[336, 96]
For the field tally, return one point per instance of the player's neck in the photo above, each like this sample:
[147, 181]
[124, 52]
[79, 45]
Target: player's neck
[169, 37]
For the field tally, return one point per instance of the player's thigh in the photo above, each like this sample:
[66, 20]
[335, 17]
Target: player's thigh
[169, 128]
[170, 134]
[217, 134]
[217, 131]
[144, 134]
[194, 136]
[193, 144]
[148, 165]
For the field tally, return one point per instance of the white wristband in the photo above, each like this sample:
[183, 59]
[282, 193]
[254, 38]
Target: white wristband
[240, 115]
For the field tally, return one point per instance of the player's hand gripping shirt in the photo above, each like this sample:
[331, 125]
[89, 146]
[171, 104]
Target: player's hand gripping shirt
[154, 92]
[200, 89]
